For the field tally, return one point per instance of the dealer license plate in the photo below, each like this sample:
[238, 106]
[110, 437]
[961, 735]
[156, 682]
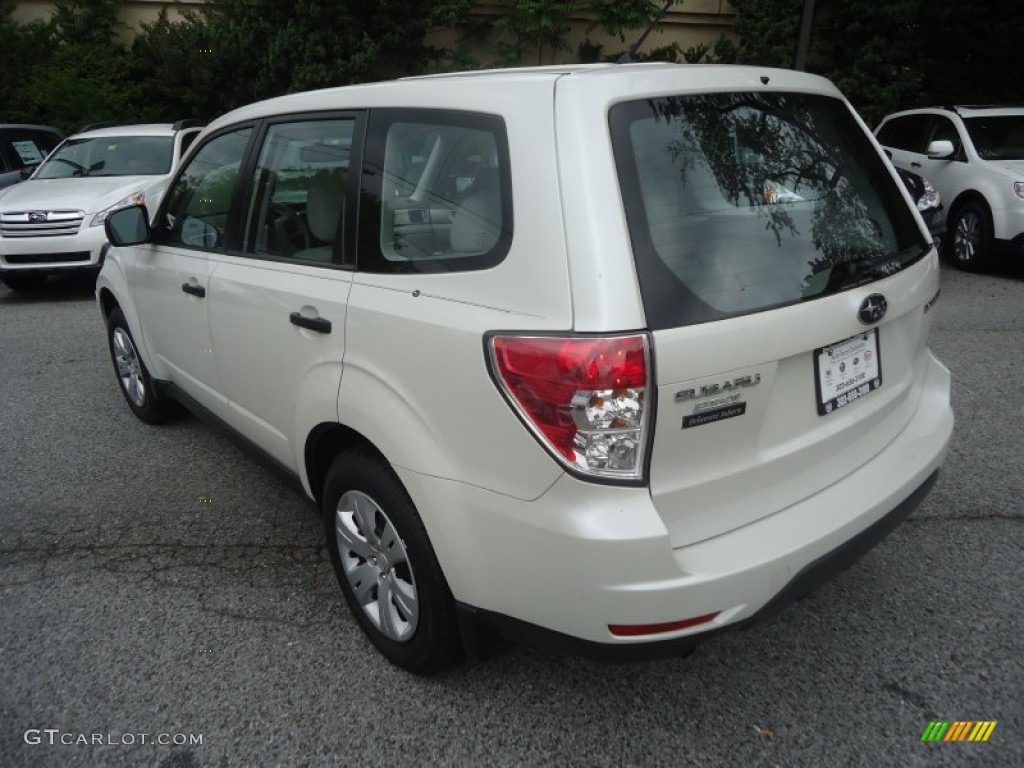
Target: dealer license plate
[847, 370]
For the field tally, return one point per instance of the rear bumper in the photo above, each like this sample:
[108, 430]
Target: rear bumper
[802, 584]
[563, 567]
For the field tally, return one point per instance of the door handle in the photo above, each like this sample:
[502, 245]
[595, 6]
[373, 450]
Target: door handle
[318, 324]
[915, 165]
[195, 290]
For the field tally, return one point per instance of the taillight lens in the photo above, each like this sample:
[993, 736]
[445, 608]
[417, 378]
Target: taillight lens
[587, 399]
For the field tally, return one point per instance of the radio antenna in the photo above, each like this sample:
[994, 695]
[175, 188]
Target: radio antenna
[627, 57]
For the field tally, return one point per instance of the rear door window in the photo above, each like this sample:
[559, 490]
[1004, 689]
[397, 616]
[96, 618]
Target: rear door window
[741, 202]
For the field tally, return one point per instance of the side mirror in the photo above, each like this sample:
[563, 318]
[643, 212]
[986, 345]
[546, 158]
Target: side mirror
[940, 150]
[128, 226]
[888, 152]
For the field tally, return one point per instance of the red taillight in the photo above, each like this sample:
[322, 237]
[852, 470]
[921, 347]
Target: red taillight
[634, 630]
[586, 398]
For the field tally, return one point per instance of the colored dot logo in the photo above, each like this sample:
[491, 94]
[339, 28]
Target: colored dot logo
[205, 501]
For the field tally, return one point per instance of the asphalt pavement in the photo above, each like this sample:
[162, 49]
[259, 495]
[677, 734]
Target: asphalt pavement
[166, 601]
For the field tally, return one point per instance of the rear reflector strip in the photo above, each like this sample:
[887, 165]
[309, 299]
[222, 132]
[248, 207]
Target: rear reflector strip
[633, 630]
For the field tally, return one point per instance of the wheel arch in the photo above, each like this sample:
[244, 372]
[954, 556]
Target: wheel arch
[107, 301]
[323, 444]
[967, 196]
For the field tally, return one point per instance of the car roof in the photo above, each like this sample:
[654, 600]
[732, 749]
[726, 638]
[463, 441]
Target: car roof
[145, 129]
[47, 128]
[965, 110]
[995, 109]
[436, 90]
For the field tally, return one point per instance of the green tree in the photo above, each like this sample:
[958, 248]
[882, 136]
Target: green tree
[233, 52]
[71, 70]
[525, 32]
[884, 56]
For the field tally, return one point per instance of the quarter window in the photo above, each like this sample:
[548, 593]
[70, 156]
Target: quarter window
[437, 193]
[299, 191]
[200, 200]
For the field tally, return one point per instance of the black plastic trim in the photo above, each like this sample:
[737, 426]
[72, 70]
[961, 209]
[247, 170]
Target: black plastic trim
[813, 575]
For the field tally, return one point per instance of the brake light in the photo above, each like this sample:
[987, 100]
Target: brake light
[586, 399]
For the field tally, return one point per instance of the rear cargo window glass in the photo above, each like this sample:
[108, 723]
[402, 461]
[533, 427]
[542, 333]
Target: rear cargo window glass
[436, 194]
[742, 202]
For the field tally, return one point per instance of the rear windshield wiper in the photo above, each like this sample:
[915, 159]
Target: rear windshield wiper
[850, 274]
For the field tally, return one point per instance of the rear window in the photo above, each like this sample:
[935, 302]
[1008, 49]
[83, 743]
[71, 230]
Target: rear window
[742, 202]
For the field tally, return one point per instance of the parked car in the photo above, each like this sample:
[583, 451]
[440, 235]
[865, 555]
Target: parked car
[606, 357]
[53, 223]
[975, 158]
[928, 202]
[22, 149]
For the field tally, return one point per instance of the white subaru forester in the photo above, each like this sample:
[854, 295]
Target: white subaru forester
[608, 357]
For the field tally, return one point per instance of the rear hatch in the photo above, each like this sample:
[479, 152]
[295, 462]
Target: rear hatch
[785, 282]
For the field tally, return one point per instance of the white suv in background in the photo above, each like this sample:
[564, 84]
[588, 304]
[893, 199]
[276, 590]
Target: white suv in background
[54, 221]
[606, 357]
[974, 156]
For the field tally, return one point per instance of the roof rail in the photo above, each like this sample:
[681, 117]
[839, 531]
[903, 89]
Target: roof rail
[188, 123]
[988, 106]
[96, 126]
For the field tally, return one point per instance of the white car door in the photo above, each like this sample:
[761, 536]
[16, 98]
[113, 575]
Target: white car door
[949, 175]
[277, 316]
[171, 276]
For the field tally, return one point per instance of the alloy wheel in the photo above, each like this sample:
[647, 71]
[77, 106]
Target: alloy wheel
[129, 367]
[967, 237]
[377, 566]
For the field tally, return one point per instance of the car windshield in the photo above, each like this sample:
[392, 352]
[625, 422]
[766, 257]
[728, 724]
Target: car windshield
[997, 137]
[740, 202]
[110, 156]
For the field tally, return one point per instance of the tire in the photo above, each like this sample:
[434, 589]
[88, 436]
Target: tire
[377, 542]
[131, 372]
[970, 236]
[23, 282]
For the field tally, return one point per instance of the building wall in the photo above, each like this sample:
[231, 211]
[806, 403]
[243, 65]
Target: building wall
[134, 13]
[692, 23]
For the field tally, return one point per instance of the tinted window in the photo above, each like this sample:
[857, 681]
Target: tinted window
[436, 192]
[200, 199]
[741, 202]
[907, 133]
[29, 147]
[997, 138]
[943, 130]
[299, 190]
[186, 142]
[110, 156]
